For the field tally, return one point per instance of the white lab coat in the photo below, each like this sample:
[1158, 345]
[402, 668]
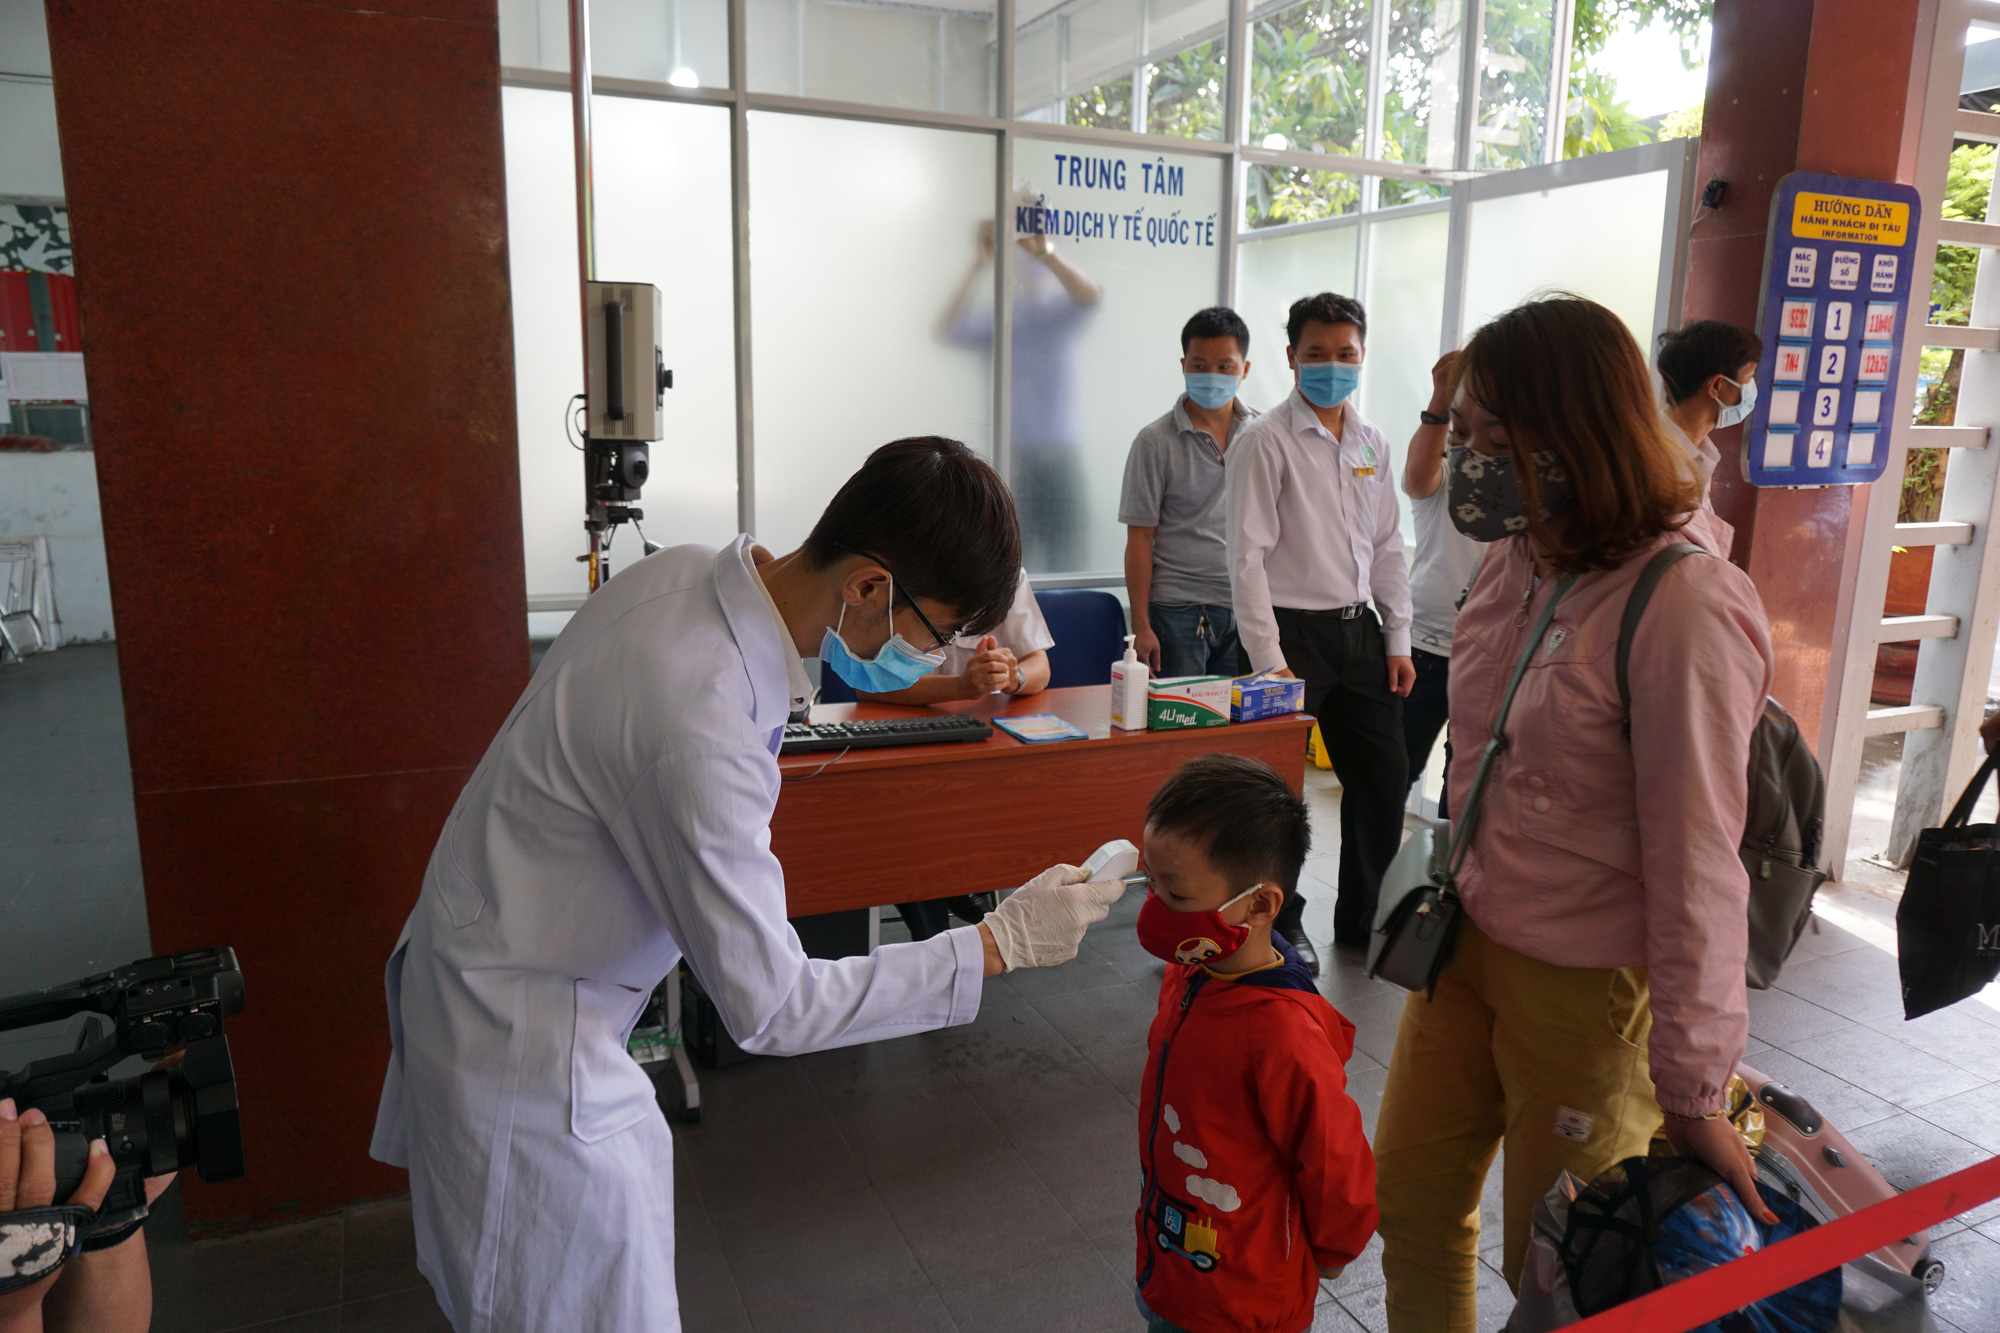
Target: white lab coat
[620, 820]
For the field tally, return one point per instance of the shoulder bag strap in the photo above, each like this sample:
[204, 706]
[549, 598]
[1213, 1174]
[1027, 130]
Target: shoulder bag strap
[1635, 606]
[1467, 821]
[1961, 812]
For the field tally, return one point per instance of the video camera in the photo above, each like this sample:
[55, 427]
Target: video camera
[160, 1121]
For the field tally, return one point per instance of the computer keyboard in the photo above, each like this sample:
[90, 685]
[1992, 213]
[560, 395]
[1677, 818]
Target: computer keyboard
[805, 737]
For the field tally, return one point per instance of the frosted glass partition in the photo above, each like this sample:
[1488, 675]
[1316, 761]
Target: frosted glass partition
[1600, 239]
[663, 218]
[1272, 271]
[860, 236]
[683, 42]
[929, 57]
[1140, 233]
[1406, 261]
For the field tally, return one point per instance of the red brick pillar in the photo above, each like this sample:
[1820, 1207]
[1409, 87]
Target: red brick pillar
[291, 243]
[1797, 85]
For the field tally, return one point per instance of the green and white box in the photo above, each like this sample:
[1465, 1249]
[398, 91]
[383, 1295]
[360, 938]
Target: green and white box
[1187, 701]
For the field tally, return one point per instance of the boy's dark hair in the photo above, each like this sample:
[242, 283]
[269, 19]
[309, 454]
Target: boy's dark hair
[1218, 321]
[939, 517]
[1689, 357]
[1326, 308]
[1241, 814]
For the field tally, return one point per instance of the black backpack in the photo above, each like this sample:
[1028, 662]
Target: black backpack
[1787, 809]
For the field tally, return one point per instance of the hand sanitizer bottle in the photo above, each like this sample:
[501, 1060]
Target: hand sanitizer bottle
[1128, 689]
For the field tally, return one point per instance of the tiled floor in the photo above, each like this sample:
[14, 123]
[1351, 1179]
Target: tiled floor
[974, 1179]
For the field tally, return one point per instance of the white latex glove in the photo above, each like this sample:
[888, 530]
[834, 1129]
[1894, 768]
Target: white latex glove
[1042, 923]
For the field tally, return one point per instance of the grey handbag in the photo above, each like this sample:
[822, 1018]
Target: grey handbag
[1416, 914]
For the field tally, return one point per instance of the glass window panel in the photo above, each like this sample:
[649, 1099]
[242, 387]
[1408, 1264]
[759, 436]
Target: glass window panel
[1513, 84]
[1309, 80]
[1100, 44]
[1390, 192]
[1601, 240]
[663, 218]
[1420, 76]
[1139, 233]
[1108, 106]
[1405, 300]
[1184, 93]
[862, 234]
[1036, 81]
[1174, 23]
[1271, 273]
[931, 57]
[683, 42]
[1636, 74]
[1274, 196]
[1184, 79]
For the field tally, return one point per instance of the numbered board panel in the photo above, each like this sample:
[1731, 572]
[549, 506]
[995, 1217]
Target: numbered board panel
[1836, 293]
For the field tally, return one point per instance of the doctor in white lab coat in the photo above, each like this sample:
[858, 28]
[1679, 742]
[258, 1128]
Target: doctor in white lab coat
[621, 821]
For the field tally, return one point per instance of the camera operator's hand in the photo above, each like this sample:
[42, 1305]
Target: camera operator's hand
[28, 1180]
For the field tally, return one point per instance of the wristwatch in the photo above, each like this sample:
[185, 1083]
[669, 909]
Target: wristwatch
[1430, 418]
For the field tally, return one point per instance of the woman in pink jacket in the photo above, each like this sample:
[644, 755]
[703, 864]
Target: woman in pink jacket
[1597, 979]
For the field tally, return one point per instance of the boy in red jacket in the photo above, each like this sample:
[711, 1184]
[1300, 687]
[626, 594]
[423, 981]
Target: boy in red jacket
[1258, 1177]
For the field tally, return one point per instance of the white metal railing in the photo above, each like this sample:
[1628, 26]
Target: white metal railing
[1956, 630]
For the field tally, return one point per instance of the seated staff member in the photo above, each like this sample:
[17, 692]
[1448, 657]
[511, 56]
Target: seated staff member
[1013, 659]
[1176, 555]
[1709, 372]
[620, 822]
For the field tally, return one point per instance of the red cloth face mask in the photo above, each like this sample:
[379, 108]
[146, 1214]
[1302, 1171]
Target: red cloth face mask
[1190, 937]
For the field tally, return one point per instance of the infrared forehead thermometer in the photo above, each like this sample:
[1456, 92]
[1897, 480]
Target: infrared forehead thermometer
[1117, 859]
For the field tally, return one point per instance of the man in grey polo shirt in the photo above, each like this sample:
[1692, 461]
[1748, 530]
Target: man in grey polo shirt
[1176, 557]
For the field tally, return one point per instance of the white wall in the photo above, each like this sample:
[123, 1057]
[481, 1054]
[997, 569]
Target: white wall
[30, 163]
[55, 496]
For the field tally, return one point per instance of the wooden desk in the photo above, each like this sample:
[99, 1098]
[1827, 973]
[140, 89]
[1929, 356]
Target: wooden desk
[924, 821]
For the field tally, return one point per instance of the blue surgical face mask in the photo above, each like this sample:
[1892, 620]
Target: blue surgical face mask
[896, 667]
[1732, 413]
[1327, 383]
[1211, 391]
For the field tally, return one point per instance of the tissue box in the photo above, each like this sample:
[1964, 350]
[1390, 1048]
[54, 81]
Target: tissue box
[1187, 701]
[1265, 695]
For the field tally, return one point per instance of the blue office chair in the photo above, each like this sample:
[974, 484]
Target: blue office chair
[832, 689]
[1089, 630]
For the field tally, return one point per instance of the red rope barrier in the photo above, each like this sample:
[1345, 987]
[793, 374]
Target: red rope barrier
[1710, 1295]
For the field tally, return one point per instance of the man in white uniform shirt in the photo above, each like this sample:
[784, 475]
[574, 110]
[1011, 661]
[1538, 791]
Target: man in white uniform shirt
[1313, 540]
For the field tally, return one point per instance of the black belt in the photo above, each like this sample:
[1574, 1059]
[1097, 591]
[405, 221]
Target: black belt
[1352, 611]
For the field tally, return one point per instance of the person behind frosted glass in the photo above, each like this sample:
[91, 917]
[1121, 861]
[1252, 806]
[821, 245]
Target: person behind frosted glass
[1445, 560]
[1176, 547]
[1313, 541]
[1596, 982]
[1053, 300]
[1708, 371]
[620, 822]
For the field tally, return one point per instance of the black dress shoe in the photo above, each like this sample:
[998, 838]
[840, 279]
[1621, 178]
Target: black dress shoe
[1296, 937]
[971, 908]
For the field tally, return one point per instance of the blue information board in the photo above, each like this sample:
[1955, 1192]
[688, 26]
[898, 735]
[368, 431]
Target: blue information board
[1837, 267]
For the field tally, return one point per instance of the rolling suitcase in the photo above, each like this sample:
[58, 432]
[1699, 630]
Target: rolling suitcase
[1812, 1162]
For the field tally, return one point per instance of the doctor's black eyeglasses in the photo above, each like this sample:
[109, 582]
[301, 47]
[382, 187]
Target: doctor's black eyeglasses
[940, 640]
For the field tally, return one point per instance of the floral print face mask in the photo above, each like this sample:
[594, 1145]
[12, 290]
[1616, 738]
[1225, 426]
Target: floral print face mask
[1485, 493]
